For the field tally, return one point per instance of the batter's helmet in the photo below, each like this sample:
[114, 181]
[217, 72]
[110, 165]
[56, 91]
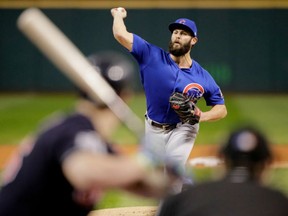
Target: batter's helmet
[115, 68]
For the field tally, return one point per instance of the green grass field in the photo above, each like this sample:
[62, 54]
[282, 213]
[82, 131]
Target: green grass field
[21, 114]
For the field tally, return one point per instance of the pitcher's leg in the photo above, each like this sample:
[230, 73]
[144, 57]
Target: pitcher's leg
[179, 146]
[154, 141]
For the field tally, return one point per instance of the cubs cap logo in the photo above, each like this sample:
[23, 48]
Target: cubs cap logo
[182, 21]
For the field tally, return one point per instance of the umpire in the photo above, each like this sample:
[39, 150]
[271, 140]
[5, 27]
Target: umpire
[240, 192]
[66, 167]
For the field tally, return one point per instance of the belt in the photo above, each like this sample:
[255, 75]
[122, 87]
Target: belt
[159, 125]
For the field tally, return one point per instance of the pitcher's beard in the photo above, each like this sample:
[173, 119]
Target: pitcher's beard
[179, 51]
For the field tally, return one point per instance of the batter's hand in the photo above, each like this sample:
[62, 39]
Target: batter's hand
[155, 183]
[186, 109]
[120, 11]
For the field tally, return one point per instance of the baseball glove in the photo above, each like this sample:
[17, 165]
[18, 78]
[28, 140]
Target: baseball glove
[186, 109]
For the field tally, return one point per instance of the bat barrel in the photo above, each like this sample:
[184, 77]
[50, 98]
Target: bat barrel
[57, 47]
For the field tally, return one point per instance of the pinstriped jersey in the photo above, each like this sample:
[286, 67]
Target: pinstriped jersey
[161, 76]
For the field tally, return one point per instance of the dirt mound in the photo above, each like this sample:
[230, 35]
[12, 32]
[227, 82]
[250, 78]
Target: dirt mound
[126, 211]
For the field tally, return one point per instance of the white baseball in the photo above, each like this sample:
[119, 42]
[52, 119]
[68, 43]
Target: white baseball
[120, 9]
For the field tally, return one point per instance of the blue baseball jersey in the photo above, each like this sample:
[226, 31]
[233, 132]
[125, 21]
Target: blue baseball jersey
[161, 76]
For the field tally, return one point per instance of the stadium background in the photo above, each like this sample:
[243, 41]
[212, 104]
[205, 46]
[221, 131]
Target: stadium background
[241, 43]
[244, 49]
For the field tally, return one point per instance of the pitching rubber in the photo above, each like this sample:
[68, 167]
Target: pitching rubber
[126, 211]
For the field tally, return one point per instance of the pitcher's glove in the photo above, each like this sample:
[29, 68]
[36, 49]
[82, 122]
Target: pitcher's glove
[186, 109]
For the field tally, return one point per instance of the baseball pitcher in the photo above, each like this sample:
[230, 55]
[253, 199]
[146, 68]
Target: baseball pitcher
[173, 83]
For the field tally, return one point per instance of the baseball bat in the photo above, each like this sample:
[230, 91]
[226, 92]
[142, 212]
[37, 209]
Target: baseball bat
[57, 47]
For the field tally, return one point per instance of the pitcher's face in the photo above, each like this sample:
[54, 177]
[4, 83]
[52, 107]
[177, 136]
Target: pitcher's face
[181, 42]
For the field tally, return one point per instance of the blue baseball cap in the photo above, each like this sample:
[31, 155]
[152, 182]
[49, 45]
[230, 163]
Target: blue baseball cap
[185, 24]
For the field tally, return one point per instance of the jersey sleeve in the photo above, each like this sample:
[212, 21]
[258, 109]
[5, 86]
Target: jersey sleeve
[83, 141]
[74, 134]
[140, 50]
[213, 95]
[214, 98]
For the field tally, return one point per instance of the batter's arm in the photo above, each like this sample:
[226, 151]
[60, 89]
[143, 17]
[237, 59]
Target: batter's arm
[88, 171]
[85, 170]
[217, 112]
[119, 29]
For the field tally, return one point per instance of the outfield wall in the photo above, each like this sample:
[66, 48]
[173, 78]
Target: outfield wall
[246, 50]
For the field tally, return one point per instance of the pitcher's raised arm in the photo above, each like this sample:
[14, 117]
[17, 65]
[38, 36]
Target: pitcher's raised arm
[120, 32]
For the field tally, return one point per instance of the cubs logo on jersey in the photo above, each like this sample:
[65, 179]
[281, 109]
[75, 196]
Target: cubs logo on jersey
[194, 90]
